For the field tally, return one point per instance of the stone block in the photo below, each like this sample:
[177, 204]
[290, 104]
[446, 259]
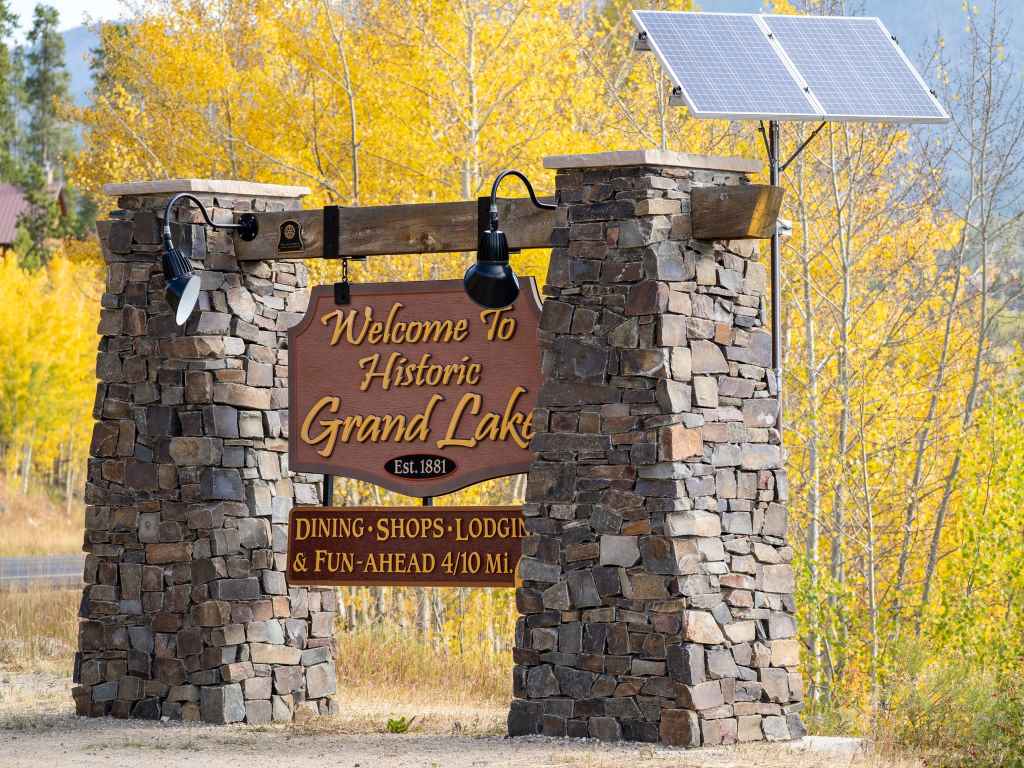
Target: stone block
[707, 357]
[679, 728]
[777, 578]
[212, 613]
[257, 688]
[677, 443]
[662, 554]
[619, 550]
[541, 682]
[701, 696]
[775, 683]
[321, 680]
[235, 589]
[686, 663]
[254, 533]
[195, 451]
[259, 712]
[775, 728]
[222, 703]
[225, 484]
[605, 729]
[693, 522]
[313, 656]
[760, 412]
[785, 653]
[532, 569]
[265, 653]
[525, 718]
[281, 709]
[556, 597]
[756, 456]
[288, 679]
[644, 586]
[583, 589]
[701, 627]
[242, 396]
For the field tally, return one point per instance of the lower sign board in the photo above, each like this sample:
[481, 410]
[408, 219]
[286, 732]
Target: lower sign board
[405, 546]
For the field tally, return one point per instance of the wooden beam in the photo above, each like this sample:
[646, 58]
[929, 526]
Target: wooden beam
[735, 212]
[396, 229]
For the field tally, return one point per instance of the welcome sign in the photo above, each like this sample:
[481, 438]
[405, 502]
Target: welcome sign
[413, 387]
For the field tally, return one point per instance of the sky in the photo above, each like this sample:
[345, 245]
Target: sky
[912, 21]
[72, 12]
[915, 23]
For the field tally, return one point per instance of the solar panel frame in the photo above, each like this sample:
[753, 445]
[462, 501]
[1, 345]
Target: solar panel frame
[694, 105]
[796, 77]
[908, 70]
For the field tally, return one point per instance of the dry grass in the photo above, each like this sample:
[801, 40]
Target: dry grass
[38, 629]
[403, 666]
[459, 701]
[738, 756]
[383, 672]
[35, 524]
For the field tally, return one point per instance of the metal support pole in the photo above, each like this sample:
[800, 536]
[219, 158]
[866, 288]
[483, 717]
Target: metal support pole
[328, 490]
[428, 501]
[776, 266]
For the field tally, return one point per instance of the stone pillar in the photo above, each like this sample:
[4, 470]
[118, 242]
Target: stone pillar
[657, 599]
[185, 611]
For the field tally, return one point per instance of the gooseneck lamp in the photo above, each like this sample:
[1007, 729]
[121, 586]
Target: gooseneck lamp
[182, 290]
[491, 282]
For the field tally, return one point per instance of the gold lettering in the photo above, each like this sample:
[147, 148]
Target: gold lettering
[419, 425]
[469, 400]
[392, 330]
[498, 326]
[400, 371]
[330, 432]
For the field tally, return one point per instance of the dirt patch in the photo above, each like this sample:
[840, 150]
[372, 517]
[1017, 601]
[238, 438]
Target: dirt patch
[38, 727]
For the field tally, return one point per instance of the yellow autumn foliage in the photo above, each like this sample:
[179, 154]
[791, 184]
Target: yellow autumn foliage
[48, 343]
[388, 101]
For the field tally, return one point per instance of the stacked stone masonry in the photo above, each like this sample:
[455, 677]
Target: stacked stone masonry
[657, 599]
[185, 612]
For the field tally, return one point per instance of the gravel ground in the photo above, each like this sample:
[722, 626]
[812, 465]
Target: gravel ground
[38, 728]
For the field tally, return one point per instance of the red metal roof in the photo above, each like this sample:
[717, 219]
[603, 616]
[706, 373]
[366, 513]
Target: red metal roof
[12, 205]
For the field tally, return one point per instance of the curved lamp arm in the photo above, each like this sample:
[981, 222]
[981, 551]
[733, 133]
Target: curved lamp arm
[493, 210]
[246, 225]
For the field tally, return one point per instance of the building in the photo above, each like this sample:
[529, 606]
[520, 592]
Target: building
[13, 205]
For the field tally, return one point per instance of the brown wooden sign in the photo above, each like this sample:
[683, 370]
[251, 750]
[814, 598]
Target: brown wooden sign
[414, 387]
[404, 546]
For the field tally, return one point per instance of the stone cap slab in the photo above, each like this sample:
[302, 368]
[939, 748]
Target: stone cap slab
[662, 157]
[207, 186]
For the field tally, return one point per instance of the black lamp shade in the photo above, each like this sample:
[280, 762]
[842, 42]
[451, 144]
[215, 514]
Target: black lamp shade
[182, 291]
[491, 282]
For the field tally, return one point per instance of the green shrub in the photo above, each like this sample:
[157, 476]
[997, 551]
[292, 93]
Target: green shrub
[956, 715]
[400, 724]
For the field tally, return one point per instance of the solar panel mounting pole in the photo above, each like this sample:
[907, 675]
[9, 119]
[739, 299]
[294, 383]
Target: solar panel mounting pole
[776, 267]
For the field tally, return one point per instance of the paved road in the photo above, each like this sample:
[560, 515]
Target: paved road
[42, 571]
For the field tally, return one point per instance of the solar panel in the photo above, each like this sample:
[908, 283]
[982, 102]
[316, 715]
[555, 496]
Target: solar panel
[855, 69]
[725, 65]
[736, 65]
